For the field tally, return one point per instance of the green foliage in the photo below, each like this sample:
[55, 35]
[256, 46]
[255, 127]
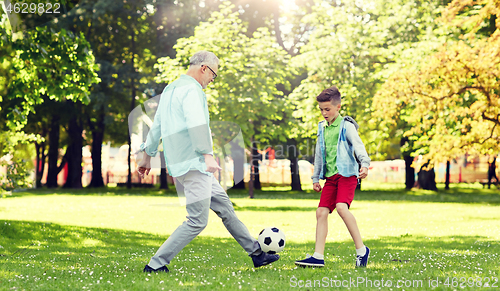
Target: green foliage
[356, 46]
[250, 69]
[37, 65]
[450, 102]
[18, 175]
[18, 161]
[56, 64]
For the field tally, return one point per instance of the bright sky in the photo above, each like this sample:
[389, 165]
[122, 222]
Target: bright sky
[288, 5]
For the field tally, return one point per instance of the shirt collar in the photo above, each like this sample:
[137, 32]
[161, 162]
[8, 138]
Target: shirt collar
[187, 77]
[335, 123]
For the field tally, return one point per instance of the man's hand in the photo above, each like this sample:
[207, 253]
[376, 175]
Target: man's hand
[317, 187]
[363, 172]
[143, 164]
[212, 165]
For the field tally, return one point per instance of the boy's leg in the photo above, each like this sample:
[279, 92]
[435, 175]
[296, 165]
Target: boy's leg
[345, 196]
[350, 222]
[321, 229]
[325, 207]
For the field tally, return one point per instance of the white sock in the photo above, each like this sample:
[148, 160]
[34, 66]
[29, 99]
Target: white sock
[361, 251]
[318, 256]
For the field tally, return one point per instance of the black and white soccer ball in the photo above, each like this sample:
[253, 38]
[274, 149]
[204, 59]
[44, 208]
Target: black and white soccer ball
[272, 240]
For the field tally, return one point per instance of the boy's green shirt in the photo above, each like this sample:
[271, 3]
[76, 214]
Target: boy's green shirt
[331, 140]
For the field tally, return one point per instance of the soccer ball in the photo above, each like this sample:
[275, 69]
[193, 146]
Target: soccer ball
[271, 240]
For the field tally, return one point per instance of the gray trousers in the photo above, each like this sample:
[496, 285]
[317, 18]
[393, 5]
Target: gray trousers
[203, 192]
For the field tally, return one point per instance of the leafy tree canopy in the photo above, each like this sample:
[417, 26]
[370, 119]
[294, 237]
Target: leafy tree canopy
[452, 102]
[245, 91]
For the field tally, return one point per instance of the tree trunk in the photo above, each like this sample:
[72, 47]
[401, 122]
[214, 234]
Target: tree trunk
[38, 176]
[132, 106]
[53, 151]
[97, 139]
[40, 160]
[409, 170]
[447, 177]
[74, 154]
[238, 154]
[163, 172]
[256, 157]
[427, 178]
[294, 166]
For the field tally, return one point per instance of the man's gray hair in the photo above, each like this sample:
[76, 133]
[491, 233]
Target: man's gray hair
[204, 58]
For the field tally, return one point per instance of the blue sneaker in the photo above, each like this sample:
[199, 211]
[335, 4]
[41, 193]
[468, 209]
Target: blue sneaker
[362, 261]
[148, 269]
[264, 259]
[310, 262]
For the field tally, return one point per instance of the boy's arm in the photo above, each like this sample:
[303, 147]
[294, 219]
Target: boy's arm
[317, 163]
[357, 144]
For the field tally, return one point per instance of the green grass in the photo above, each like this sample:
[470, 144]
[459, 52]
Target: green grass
[101, 239]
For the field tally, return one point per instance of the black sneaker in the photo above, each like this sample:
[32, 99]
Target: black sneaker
[148, 269]
[362, 261]
[310, 261]
[264, 259]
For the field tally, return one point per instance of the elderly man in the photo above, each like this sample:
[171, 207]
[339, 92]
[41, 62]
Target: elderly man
[182, 122]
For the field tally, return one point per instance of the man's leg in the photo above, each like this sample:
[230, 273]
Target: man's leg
[223, 207]
[197, 190]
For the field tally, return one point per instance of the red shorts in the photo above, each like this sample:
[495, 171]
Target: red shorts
[338, 189]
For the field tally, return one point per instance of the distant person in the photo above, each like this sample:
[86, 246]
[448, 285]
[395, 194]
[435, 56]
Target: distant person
[492, 169]
[182, 122]
[334, 160]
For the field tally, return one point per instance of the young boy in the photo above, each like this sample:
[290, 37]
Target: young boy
[337, 142]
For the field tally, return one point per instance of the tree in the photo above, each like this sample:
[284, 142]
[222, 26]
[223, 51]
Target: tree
[356, 46]
[43, 64]
[452, 99]
[251, 68]
[123, 37]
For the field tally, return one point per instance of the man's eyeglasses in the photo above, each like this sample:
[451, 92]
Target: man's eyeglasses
[215, 75]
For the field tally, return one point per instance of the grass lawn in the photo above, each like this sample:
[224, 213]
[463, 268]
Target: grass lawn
[101, 239]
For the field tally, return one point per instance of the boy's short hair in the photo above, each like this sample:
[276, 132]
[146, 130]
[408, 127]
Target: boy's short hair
[331, 94]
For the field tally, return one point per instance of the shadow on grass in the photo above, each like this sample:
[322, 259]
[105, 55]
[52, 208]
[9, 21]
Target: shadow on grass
[33, 254]
[108, 191]
[278, 208]
[22, 238]
[457, 194]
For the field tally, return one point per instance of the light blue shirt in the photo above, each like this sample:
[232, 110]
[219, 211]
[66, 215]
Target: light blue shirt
[182, 122]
